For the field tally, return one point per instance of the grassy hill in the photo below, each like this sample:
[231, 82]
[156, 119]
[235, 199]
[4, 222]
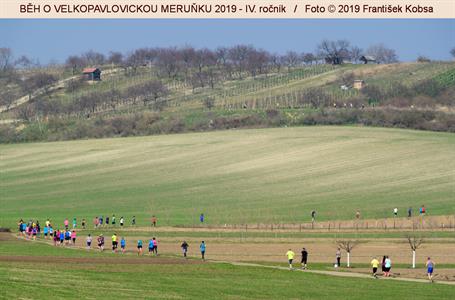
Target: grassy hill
[245, 176]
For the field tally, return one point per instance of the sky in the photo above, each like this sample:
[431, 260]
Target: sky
[54, 40]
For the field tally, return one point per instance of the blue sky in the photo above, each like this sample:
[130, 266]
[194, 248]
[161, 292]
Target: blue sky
[49, 40]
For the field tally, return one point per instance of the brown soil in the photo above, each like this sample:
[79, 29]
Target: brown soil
[99, 260]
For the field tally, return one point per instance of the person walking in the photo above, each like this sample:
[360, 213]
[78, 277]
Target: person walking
[304, 258]
[139, 247]
[73, 237]
[155, 246]
[423, 210]
[202, 247]
[375, 265]
[313, 216]
[430, 268]
[388, 266]
[101, 242]
[383, 265]
[88, 241]
[290, 255]
[150, 246]
[184, 248]
[114, 243]
[338, 257]
[123, 244]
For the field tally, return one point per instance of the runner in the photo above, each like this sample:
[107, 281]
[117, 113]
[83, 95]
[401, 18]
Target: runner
[114, 243]
[151, 247]
[338, 257]
[45, 231]
[34, 232]
[101, 242]
[133, 221]
[107, 221]
[153, 221]
[304, 258]
[73, 237]
[383, 265]
[375, 265]
[430, 266]
[62, 237]
[202, 248]
[409, 212]
[123, 244]
[20, 226]
[139, 247]
[113, 220]
[56, 237]
[51, 232]
[395, 212]
[155, 246]
[67, 237]
[201, 218]
[122, 221]
[100, 221]
[184, 248]
[74, 223]
[95, 222]
[388, 266]
[66, 222]
[357, 214]
[83, 223]
[423, 210]
[290, 254]
[48, 223]
[313, 215]
[89, 241]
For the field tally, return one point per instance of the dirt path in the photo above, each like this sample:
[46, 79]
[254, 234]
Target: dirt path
[100, 260]
[335, 273]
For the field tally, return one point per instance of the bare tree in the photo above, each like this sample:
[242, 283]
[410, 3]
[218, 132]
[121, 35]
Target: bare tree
[153, 90]
[308, 58]
[334, 52]
[355, 53]
[115, 58]
[94, 58]
[382, 54]
[292, 59]
[347, 245]
[6, 59]
[414, 242]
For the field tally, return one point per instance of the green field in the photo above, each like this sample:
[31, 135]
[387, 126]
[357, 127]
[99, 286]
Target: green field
[244, 176]
[100, 276]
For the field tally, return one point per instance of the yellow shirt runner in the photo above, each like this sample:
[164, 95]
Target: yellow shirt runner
[375, 263]
[290, 254]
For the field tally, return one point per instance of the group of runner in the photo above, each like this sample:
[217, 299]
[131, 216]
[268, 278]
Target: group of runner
[99, 221]
[386, 264]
